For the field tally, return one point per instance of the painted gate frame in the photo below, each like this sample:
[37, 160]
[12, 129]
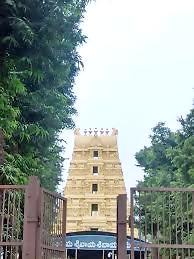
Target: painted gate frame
[43, 217]
[158, 244]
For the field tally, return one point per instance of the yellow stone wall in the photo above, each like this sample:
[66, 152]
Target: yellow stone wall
[110, 181]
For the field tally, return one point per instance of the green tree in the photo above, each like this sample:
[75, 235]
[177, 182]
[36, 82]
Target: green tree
[155, 160]
[39, 63]
[167, 162]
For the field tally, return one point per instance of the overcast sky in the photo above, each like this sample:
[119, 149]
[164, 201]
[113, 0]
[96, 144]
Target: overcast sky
[139, 70]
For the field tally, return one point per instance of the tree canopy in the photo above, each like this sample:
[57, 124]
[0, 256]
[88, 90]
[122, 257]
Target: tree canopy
[167, 217]
[39, 62]
[169, 160]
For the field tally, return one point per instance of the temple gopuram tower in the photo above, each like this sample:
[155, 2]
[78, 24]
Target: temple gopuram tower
[94, 180]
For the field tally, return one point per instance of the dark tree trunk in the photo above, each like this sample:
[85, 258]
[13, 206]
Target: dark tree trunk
[2, 143]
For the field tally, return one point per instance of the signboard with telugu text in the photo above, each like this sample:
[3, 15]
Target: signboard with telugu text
[95, 242]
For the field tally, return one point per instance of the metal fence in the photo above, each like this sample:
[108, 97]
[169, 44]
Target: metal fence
[11, 221]
[53, 225]
[121, 226]
[164, 219]
[32, 222]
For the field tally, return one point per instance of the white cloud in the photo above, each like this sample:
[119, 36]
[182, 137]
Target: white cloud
[144, 19]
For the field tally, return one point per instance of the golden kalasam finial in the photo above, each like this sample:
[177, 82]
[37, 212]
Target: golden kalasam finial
[95, 132]
[90, 131]
[114, 132]
[77, 131]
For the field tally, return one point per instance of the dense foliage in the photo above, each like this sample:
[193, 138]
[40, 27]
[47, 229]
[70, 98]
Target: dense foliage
[38, 65]
[168, 162]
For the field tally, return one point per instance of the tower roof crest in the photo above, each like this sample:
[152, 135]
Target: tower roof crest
[96, 132]
[95, 137]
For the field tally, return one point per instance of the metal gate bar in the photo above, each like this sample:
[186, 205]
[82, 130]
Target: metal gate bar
[164, 219]
[11, 220]
[32, 222]
[31, 219]
[53, 225]
[121, 226]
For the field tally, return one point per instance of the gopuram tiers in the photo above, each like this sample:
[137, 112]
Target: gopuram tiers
[94, 180]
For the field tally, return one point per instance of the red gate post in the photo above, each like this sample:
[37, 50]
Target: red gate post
[193, 212]
[132, 222]
[122, 226]
[31, 219]
[2, 158]
[2, 144]
[64, 219]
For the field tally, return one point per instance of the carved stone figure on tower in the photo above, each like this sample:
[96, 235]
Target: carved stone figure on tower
[77, 132]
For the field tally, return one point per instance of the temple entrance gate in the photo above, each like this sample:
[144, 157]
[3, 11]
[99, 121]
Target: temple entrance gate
[32, 222]
[164, 219]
